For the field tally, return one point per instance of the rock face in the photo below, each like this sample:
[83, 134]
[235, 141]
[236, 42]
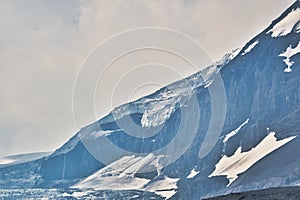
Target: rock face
[262, 88]
[291, 193]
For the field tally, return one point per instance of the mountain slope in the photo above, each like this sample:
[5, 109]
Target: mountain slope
[161, 137]
[267, 194]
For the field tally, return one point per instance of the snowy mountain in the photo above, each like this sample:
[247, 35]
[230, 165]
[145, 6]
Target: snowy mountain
[187, 140]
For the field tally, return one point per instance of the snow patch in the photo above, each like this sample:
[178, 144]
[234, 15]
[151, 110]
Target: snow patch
[120, 175]
[193, 174]
[4, 161]
[166, 187]
[241, 161]
[250, 47]
[208, 84]
[78, 194]
[100, 133]
[228, 57]
[233, 133]
[112, 177]
[166, 194]
[297, 29]
[286, 25]
[289, 52]
[157, 115]
[140, 163]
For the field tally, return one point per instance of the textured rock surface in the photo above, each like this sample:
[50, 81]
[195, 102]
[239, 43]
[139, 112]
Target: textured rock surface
[257, 88]
[287, 193]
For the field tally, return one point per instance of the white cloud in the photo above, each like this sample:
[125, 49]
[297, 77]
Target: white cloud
[42, 44]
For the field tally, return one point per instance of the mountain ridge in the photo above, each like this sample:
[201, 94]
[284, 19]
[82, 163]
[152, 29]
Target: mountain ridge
[258, 90]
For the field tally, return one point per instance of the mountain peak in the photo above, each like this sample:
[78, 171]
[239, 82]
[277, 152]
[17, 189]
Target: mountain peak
[287, 23]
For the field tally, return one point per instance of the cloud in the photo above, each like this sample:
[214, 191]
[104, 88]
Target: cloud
[43, 43]
[219, 25]
[37, 68]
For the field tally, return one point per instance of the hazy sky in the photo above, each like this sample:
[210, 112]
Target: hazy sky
[43, 43]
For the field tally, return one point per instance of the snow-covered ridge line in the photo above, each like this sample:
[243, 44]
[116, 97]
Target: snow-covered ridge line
[286, 25]
[180, 92]
[158, 107]
[250, 47]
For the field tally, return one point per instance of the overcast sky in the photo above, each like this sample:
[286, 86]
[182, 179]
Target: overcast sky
[43, 43]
